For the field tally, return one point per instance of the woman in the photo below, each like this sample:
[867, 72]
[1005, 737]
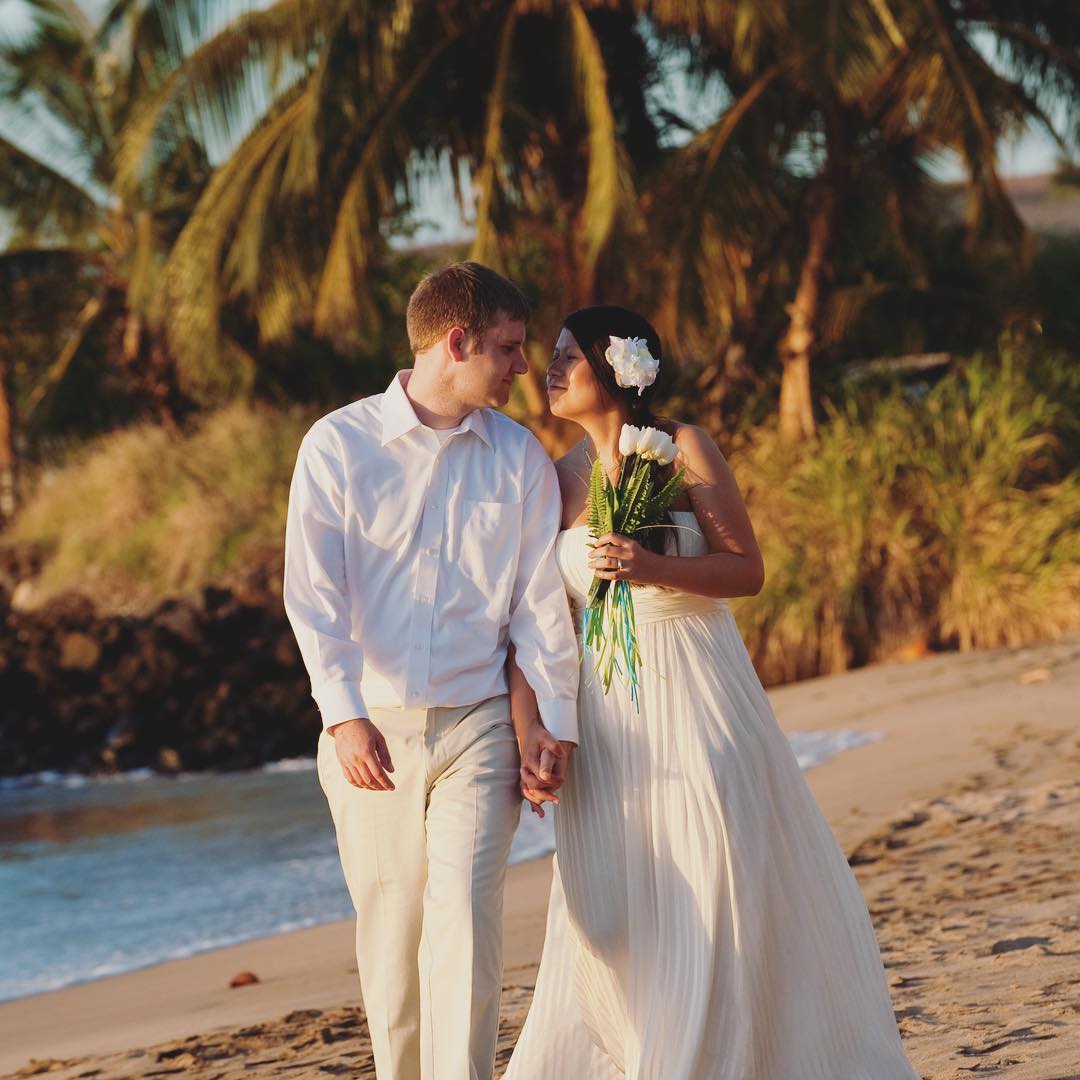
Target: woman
[703, 923]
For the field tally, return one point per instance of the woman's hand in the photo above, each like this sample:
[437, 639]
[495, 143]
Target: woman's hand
[618, 558]
[535, 793]
[544, 761]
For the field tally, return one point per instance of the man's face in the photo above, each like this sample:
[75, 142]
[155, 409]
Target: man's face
[493, 363]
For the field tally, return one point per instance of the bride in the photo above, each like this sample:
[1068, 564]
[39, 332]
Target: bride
[703, 921]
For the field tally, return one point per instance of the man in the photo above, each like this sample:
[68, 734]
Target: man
[419, 546]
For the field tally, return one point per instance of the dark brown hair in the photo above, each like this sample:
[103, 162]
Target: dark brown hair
[465, 294]
[592, 328]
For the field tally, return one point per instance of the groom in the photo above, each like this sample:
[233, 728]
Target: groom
[419, 546]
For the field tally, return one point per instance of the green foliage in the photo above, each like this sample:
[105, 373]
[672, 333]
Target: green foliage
[630, 512]
[952, 518]
[660, 502]
[998, 505]
[600, 502]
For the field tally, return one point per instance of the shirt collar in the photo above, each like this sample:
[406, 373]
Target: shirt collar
[399, 417]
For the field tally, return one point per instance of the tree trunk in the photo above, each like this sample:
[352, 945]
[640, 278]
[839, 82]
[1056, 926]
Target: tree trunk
[799, 342]
[7, 443]
[724, 380]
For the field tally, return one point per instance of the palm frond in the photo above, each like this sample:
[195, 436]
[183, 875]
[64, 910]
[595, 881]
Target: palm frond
[484, 248]
[190, 299]
[42, 199]
[979, 145]
[340, 298]
[285, 297]
[888, 23]
[217, 77]
[54, 377]
[602, 183]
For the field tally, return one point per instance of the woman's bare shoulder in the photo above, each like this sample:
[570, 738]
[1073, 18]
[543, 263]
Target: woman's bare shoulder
[699, 456]
[690, 438]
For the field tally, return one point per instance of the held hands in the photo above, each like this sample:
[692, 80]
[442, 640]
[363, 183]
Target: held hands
[618, 558]
[362, 752]
[544, 762]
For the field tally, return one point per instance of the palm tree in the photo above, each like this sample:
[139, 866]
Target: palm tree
[874, 82]
[567, 147]
[537, 112]
[66, 88]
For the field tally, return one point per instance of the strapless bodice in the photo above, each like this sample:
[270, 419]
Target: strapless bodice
[651, 602]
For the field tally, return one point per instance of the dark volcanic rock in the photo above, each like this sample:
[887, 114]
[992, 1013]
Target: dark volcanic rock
[213, 682]
[79, 651]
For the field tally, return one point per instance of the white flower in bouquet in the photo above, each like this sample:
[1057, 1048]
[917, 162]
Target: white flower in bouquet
[633, 363]
[628, 439]
[648, 443]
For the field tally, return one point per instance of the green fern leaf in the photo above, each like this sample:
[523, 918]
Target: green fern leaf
[661, 501]
[632, 506]
[599, 508]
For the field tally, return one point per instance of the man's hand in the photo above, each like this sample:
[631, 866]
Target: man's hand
[363, 755]
[544, 762]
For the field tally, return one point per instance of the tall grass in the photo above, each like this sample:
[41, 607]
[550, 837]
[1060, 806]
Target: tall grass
[141, 513]
[950, 515]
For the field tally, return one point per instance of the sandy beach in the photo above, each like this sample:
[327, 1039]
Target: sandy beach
[962, 823]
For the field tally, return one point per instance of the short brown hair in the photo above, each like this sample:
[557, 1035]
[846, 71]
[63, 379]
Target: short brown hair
[465, 294]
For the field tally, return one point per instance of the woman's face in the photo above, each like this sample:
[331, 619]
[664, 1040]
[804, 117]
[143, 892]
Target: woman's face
[573, 389]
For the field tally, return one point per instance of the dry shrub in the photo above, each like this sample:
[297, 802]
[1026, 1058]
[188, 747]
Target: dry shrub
[951, 516]
[140, 513]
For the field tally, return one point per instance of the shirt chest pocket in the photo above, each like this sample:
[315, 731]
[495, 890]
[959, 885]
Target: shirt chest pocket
[490, 545]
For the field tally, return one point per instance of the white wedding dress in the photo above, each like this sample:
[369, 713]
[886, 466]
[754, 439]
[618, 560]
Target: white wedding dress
[703, 922]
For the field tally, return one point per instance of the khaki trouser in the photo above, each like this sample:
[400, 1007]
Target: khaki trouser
[425, 866]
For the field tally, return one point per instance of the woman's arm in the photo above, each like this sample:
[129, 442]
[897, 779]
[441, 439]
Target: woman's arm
[524, 712]
[734, 567]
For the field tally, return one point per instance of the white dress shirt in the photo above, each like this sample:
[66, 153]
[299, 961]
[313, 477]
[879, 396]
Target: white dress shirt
[411, 560]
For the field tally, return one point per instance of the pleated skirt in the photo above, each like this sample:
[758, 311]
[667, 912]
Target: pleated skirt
[703, 922]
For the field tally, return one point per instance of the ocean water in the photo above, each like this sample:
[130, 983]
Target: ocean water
[103, 876]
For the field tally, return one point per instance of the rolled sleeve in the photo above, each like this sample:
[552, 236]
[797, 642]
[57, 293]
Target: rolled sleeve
[316, 594]
[540, 624]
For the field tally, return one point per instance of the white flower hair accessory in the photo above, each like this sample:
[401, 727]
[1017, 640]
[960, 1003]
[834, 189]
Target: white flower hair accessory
[633, 363]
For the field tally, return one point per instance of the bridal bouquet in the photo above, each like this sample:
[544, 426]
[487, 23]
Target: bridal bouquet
[629, 507]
